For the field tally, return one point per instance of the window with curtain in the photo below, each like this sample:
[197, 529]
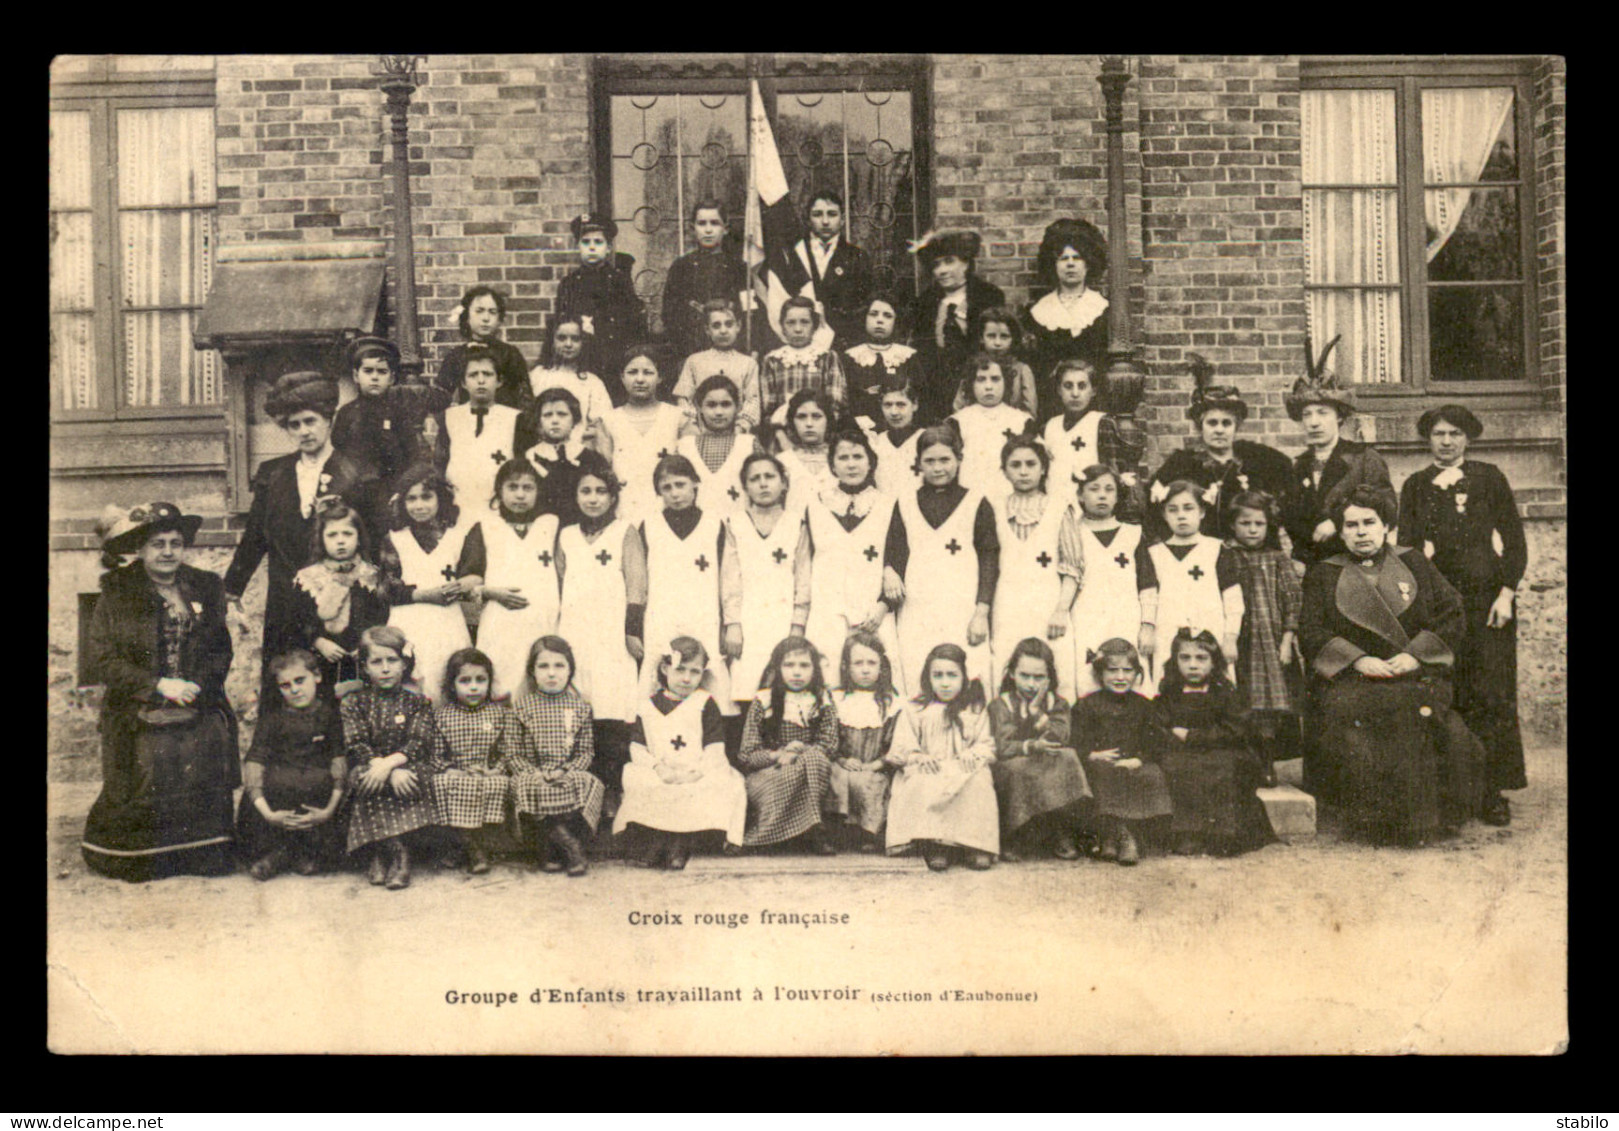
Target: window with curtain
[1418, 224]
[676, 133]
[132, 229]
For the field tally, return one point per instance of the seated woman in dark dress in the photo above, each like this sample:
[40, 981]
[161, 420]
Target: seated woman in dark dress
[1376, 628]
[168, 739]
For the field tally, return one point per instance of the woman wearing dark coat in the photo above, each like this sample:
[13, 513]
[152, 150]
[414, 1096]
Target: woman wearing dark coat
[600, 296]
[1223, 462]
[1377, 628]
[281, 522]
[1453, 511]
[941, 317]
[158, 642]
[1070, 318]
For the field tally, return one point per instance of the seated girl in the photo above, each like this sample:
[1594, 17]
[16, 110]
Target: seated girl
[1114, 726]
[868, 707]
[788, 740]
[472, 792]
[552, 785]
[1039, 781]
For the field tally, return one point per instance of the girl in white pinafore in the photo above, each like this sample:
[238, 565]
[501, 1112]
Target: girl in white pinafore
[1191, 580]
[519, 551]
[592, 620]
[771, 569]
[941, 575]
[1099, 553]
[640, 432]
[683, 580]
[424, 511]
[678, 780]
[1030, 591]
[848, 528]
[715, 402]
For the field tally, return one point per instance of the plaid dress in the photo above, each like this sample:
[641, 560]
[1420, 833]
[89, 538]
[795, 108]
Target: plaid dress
[377, 724]
[789, 369]
[1272, 597]
[554, 734]
[473, 790]
[865, 730]
[786, 801]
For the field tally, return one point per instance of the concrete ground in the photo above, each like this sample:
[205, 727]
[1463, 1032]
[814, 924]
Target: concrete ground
[1318, 946]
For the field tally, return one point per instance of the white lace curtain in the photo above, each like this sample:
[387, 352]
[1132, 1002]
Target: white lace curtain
[1459, 128]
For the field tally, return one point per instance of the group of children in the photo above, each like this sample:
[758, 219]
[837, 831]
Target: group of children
[709, 599]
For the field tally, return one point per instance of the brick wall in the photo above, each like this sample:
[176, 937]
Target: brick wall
[499, 156]
[1550, 94]
[1222, 213]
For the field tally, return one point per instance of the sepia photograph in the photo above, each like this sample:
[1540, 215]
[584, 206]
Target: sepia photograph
[783, 554]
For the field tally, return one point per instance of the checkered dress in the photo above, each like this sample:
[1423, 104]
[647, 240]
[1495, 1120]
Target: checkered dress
[786, 801]
[554, 735]
[474, 790]
[1272, 598]
[375, 725]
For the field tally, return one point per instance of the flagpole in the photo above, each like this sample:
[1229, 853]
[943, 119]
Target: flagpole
[749, 207]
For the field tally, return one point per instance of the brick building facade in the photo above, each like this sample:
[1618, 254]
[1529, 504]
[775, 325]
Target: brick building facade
[505, 149]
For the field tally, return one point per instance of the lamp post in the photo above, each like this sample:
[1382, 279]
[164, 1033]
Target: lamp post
[1125, 381]
[399, 82]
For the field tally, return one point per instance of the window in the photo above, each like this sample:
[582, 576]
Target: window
[1418, 223]
[132, 202]
[677, 133]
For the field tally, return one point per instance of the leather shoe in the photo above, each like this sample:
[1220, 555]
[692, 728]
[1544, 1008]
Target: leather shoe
[269, 865]
[678, 855]
[477, 858]
[1497, 812]
[399, 866]
[980, 861]
[1065, 848]
[1129, 852]
[377, 871]
[572, 851]
[815, 840]
[936, 857]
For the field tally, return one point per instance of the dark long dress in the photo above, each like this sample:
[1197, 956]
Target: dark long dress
[1399, 762]
[1213, 773]
[695, 278]
[1104, 720]
[165, 802]
[278, 529]
[606, 295]
[296, 750]
[1029, 786]
[1045, 345]
[1459, 520]
[1307, 503]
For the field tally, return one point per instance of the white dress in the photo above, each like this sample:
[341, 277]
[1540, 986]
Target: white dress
[1027, 592]
[683, 599]
[474, 458]
[527, 564]
[1072, 451]
[984, 432]
[1109, 604]
[720, 491]
[434, 631]
[941, 591]
[846, 580]
[718, 800]
[592, 620]
[636, 455]
[896, 466]
[804, 482]
[957, 804]
[1188, 596]
[767, 593]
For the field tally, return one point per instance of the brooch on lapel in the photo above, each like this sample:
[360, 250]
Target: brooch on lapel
[387, 424]
[196, 607]
[1405, 590]
[399, 720]
[1461, 502]
[325, 482]
[1242, 481]
[837, 270]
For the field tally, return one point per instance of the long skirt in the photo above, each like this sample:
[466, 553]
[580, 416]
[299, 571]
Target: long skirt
[381, 816]
[1131, 795]
[1031, 785]
[165, 803]
[467, 800]
[719, 800]
[1487, 696]
[786, 801]
[289, 787]
[576, 791]
[1213, 794]
[1406, 765]
[949, 807]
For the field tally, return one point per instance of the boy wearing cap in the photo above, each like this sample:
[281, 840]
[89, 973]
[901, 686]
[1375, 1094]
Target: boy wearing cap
[600, 294]
[380, 430]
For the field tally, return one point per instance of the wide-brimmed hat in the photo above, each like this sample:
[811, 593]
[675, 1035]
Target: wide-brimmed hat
[372, 344]
[296, 392]
[1459, 415]
[1207, 397]
[593, 222]
[124, 530]
[962, 243]
[1319, 385]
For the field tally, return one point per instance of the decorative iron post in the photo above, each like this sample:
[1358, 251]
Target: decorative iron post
[1125, 382]
[399, 82]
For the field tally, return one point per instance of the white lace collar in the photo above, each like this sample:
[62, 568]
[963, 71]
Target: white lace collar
[799, 355]
[1054, 314]
[892, 358]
